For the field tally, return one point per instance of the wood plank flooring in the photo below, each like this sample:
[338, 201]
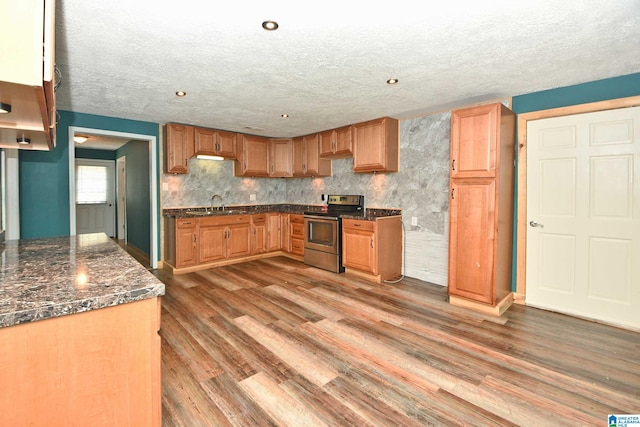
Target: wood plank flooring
[276, 343]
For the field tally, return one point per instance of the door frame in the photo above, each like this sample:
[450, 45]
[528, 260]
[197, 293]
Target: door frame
[121, 208]
[111, 167]
[521, 226]
[153, 181]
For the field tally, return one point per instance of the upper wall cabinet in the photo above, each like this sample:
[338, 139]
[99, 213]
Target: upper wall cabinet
[336, 143]
[215, 143]
[27, 74]
[179, 147]
[281, 158]
[253, 156]
[306, 157]
[474, 142]
[375, 146]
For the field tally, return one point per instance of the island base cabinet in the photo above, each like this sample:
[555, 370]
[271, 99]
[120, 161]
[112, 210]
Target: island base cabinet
[97, 367]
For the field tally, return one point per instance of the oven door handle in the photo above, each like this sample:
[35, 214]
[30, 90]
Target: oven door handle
[324, 218]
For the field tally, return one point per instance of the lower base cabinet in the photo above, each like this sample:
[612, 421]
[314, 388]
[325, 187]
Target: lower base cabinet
[97, 367]
[297, 234]
[373, 248]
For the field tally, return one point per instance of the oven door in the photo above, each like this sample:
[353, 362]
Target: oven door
[322, 234]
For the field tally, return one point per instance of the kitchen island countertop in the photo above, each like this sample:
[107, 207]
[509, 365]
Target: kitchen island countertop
[58, 276]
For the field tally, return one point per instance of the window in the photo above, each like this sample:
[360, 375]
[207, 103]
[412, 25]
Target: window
[91, 184]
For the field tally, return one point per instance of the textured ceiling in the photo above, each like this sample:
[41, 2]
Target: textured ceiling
[327, 64]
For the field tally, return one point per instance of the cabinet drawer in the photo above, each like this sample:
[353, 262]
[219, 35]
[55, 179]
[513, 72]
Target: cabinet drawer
[297, 230]
[297, 219]
[297, 246]
[358, 224]
[259, 218]
[186, 223]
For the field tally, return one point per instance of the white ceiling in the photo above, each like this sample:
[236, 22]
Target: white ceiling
[327, 64]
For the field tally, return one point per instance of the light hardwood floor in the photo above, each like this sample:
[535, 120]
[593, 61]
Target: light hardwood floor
[276, 343]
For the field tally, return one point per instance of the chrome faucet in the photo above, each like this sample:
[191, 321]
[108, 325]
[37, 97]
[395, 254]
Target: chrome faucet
[213, 199]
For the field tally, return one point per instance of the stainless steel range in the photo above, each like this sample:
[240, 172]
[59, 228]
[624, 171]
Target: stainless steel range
[323, 231]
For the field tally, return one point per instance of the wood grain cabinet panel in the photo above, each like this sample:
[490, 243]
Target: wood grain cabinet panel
[253, 157]
[373, 247]
[213, 142]
[281, 158]
[274, 232]
[481, 207]
[336, 143]
[296, 234]
[259, 234]
[186, 242]
[179, 148]
[306, 157]
[376, 146]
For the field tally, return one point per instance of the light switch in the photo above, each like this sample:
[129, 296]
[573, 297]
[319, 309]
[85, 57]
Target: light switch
[165, 186]
[414, 220]
[252, 197]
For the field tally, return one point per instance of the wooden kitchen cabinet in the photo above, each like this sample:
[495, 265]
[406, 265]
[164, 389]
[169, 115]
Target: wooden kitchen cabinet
[224, 237]
[179, 148]
[306, 157]
[281, 158]
[253, 156]
[274, 232]
[27, 76]
[212, 242]
[213, 142]
[376, 146]
[259, 233]
[296, 222]
[285, 232]
[336, 143]
[481, 207]
[98, 367]
[373, 248]
[181, 241]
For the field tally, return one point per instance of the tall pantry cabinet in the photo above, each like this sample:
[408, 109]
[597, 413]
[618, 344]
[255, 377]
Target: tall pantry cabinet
[481, 207]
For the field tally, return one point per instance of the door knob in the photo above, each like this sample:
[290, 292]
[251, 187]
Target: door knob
[535, 224]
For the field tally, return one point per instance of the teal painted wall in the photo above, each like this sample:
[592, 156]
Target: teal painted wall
[44, 176]
[88, 153]
[599, 90]
[138, 193]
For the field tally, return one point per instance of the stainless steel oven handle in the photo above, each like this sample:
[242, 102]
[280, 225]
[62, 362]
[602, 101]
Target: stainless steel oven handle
[324, 218]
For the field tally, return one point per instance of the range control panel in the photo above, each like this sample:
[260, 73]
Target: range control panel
[350, 200]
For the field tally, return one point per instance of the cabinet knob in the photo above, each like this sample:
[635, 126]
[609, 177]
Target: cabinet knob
[453, 164]
[452, 190]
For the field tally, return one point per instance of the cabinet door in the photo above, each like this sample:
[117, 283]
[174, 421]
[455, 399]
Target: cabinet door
[343, 142]
[239, 240]
[259, 237]
[180, 148]
[281, 156]
[375, 146]
[299, 157]
[315, 165]
[327, 143]
[274, 232]
[358, 249]
[205, 141]
[471, 239]
[186, 243]
[296, 223]
[285, 230]
[227, 144]
[474, 142]
[212, 243]
[255, 157]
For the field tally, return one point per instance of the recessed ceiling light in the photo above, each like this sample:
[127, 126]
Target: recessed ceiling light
[5, 108]
[284, 116]
[181, 93]
[392, 81]
[23, 140]
[79, 139]
[270, 25]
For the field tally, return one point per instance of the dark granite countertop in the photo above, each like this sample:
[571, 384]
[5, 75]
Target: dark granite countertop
[370, 214]
[51, 277]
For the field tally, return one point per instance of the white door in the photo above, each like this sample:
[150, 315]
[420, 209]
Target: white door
[583, 215]
[95, 210]
[121, 197]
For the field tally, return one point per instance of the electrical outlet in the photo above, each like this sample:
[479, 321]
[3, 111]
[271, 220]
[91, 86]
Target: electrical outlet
[252, 197]
[165, 186]
[414, 220]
